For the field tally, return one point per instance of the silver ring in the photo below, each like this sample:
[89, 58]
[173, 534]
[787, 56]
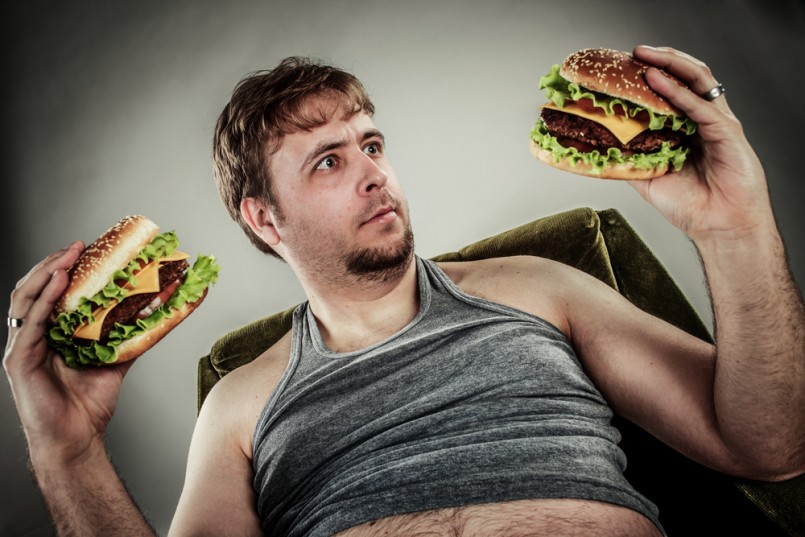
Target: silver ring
[14, 322]
[714, 93]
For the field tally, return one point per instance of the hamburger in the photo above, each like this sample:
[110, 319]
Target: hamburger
[126, 291]
[603, 120]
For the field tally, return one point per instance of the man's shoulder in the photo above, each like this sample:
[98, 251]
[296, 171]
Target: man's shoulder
[240, 396]
[508, 270]
[528, 283]
[263, 370]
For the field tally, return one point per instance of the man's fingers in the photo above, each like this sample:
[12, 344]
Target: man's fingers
[34, 297]
[30, 334]
[691, 104]
[684, 66]
[40, 310]
[30, 286]
[695, 73]
[49, 259]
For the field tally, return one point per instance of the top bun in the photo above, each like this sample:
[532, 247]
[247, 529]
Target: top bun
[98, 262]
[617, 74]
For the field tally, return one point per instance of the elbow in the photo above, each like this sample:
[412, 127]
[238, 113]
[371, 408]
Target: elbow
[774, 475]
[773, 466]
[767, 453]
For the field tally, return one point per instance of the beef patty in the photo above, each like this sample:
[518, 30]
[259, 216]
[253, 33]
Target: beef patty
[590, 135]
[128, 308]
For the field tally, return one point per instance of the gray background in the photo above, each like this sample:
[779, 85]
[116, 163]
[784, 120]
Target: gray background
[108, 109]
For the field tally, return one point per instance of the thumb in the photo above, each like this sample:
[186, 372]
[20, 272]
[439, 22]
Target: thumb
[642, 186]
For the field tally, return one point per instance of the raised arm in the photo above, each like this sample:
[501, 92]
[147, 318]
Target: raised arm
[64, 414]
[721, 201]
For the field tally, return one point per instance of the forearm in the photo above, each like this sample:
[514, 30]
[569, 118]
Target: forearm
[87, 498]
[759, 386]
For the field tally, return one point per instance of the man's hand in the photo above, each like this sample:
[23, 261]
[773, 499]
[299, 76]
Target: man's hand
[64, 413]
[722, 192]
[62, 410]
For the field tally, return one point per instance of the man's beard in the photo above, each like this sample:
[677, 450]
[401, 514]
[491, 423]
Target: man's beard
[382, 264]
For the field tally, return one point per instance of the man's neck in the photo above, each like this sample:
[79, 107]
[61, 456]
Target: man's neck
[364, 312]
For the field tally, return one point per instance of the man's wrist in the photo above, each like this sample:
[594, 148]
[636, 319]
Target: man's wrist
[753, 240]
[84, 494]
[67, 459]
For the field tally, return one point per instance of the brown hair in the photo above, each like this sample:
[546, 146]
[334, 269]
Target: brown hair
[265, 106]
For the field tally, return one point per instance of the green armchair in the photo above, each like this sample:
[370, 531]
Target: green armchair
[692, 499]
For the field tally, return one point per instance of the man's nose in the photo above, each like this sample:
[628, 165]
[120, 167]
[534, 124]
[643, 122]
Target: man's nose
[372, 176]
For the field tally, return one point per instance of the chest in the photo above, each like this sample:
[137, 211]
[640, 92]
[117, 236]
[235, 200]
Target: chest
[482, 380]
[472, 371]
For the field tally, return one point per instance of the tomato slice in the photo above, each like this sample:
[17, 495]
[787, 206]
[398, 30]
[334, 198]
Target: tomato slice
[160, 299]
[588, 106]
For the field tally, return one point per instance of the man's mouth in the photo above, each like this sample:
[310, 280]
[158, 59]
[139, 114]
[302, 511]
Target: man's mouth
[382, 215]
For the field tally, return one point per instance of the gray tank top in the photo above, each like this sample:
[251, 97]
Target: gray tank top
[472, 402]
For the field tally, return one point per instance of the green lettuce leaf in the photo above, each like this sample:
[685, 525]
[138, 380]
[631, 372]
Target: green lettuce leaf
[558, 89]
[198, 277]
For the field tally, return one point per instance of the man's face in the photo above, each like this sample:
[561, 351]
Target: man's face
[343, 212]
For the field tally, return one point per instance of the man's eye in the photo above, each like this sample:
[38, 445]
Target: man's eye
[371, 149]
[326, 163]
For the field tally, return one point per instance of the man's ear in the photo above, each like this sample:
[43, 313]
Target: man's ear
[260, 219]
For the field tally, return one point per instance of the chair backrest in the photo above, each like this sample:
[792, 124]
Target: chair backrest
[693, 500]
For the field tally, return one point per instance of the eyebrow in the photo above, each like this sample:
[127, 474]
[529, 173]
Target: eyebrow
[327, 146]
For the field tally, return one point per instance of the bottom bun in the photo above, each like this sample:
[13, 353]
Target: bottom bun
[136, 346]
[627, 172]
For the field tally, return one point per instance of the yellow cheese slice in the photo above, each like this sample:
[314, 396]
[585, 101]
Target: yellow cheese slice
[623, 127]
[93, 330]
[147, 280]
[175, 256]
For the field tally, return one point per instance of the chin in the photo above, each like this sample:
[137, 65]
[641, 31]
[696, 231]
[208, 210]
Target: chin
[382, 263]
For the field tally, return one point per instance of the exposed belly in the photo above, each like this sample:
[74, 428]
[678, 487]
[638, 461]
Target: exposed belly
[522, 518]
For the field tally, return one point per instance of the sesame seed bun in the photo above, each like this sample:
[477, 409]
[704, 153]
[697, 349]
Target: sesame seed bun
[617, 74]
[579, 130]
[98, 262]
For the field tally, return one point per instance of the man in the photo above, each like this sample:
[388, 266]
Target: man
[390, 408]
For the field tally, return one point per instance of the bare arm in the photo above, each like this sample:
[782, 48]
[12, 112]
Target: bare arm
[722, 203]
[86, 497]
[218, 498]
[760, 332]
[64, 414]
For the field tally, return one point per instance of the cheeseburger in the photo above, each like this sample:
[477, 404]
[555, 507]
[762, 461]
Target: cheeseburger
[126, 291]
[603, 120]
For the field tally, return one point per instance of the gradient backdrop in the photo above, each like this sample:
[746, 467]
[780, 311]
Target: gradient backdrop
[109, 107]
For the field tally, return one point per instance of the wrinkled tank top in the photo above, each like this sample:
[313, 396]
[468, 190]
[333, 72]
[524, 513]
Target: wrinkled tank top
[472, 402]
